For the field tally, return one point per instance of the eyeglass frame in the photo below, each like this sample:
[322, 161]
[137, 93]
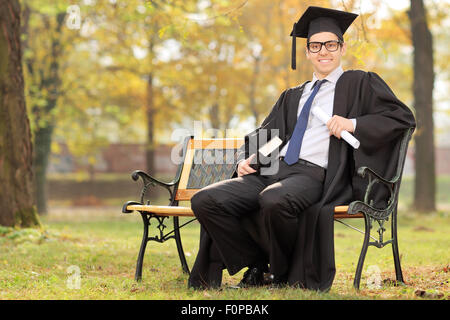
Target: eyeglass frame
[339, 43]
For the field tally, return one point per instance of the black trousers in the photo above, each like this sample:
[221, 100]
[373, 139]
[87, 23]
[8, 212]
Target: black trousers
[274, 200]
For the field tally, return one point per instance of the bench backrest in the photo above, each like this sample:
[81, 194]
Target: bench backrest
[206, 161]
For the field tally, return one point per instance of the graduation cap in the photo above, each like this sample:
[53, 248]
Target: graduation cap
[317, 19]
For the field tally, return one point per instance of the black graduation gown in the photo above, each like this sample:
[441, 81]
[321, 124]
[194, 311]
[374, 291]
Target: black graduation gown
[381, 120]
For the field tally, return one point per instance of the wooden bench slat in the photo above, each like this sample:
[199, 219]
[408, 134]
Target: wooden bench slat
[185, 194]
[340, 209]
[340, 212]
[347, 216]
[164, 210]
[226, 143]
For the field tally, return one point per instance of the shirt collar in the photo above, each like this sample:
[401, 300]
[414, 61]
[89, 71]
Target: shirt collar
[333, 77]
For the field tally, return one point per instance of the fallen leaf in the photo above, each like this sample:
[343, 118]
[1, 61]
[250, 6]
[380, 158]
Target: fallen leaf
[430, 295]
[420, 293]
[390, 282]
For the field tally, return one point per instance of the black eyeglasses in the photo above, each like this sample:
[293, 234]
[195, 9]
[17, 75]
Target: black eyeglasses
[331, 45]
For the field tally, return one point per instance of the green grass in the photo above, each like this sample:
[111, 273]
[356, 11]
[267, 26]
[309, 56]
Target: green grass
[104, 245]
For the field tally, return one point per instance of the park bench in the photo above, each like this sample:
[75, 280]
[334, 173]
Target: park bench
[207, 161]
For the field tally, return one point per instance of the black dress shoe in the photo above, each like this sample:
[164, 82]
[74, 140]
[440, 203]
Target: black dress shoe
[253, 277]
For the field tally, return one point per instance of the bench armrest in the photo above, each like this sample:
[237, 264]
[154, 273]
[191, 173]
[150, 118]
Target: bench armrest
[149, 179]
[373, 179]
[362, 171]
[367, 205]
[128, 203]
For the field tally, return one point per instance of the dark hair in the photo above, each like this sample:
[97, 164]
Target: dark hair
[341, 39]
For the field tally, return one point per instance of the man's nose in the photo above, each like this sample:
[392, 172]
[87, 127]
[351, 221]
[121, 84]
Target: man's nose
[323, 50]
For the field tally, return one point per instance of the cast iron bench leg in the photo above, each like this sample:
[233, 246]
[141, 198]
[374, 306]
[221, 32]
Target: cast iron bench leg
[140, 260]
[176, 227]
[398, 268]
[362, 256]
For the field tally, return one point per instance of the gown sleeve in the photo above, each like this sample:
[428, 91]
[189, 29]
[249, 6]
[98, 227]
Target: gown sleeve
[382, 119]
[383, 116]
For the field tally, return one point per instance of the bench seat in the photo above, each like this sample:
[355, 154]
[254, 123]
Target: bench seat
[340, 212]
[165, 211]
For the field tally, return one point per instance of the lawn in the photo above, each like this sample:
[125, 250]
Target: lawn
[35, 264]
[101, 245]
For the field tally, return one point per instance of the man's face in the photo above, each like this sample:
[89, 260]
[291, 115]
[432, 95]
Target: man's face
[324, 61]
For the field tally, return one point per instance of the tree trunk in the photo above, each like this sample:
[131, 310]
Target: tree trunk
[425, 180]
[214, 118]
[16, 174]
[42, 149]
[43, 134]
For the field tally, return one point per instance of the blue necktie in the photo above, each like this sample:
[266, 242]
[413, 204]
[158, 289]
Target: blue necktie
[293, 151]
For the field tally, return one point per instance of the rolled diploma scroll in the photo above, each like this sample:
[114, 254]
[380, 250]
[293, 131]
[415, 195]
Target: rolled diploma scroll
[347, 136]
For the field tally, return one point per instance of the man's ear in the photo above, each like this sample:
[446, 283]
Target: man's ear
[344, 48]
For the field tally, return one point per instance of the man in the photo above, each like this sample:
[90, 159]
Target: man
[290, 233]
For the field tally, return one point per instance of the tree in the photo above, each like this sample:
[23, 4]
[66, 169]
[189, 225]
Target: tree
[425, 179]
[64, 84]
[42, 47]
[142, 26]
[16, 174]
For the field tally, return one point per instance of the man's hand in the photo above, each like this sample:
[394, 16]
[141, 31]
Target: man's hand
[244, 166]
[337, 123]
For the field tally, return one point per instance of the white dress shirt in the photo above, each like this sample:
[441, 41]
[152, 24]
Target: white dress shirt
[316, 140]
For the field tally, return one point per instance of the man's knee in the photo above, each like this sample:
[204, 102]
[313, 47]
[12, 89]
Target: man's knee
[200, 201]
[204, 203]
[273, 204]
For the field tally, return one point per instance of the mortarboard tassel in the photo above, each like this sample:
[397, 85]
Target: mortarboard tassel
[294, 49]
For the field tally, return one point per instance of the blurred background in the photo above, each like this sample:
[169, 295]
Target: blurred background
[109, 84]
